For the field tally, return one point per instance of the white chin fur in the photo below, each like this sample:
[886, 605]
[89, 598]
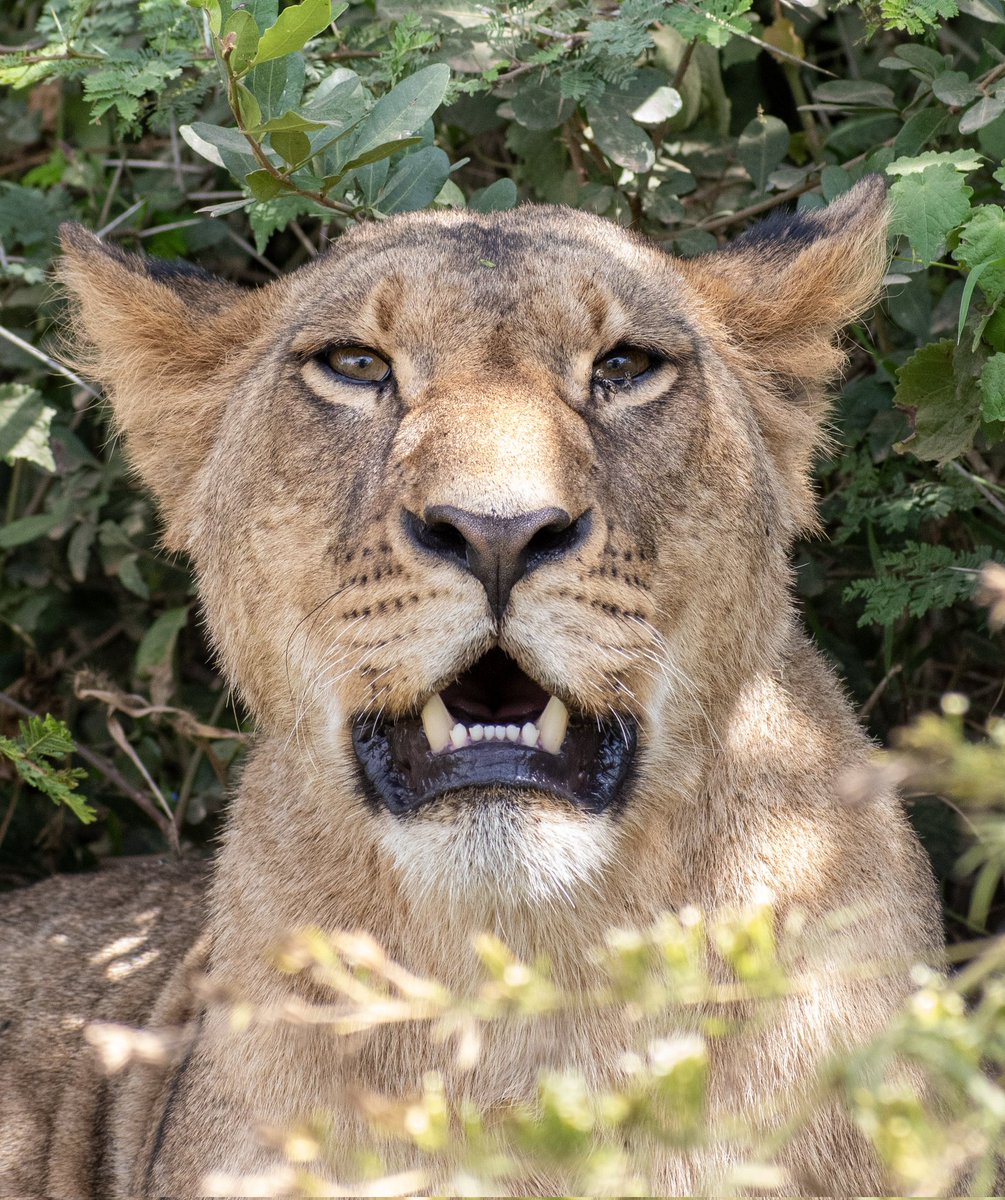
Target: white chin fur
[498, 851]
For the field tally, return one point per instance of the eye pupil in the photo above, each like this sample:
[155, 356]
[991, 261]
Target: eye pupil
[622, 366]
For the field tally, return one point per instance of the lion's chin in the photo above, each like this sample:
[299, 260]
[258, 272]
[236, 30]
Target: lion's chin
[502, 847]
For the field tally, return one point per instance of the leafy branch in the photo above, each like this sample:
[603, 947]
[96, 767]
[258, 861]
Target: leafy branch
[39, 740]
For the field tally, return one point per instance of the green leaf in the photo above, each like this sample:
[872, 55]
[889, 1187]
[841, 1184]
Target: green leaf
[955, 88]
[992, 385]
[986, 110]
[620, 139]
[268, 216]
[762, 146]
[339, 98]
[241, 33]
[945, 417]
[539, 104]
[265, 12]
[292, 146]
[158, 643]
[415, 182]
[45, 737]
[247, 107]
[374, 155]
[661, 105]
[27, 529]
[41, 738]
[268, 83]
[916, 579]
[404, 109]
[263, 184]
[959, 160]
[495, 198]
[916, 16]
[370, 179]
[288, 122]
[295, 28]
[990, 11]
[927, 206]
[213, 11]
[226, 147]
[982, 244]
[855, 93]
[923, 59]
[968, 290]
[919, 130]
[25, 419]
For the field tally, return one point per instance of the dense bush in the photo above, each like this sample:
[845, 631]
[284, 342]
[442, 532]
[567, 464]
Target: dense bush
[246, 138]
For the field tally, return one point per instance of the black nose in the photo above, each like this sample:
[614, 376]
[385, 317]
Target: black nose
[498, 551]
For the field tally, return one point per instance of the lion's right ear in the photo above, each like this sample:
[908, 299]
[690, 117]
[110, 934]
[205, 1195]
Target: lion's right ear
[160, 339]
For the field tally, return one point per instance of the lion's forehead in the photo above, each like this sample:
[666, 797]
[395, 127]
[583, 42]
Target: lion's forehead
[469, 280]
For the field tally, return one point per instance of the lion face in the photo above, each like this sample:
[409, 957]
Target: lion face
[490, 513]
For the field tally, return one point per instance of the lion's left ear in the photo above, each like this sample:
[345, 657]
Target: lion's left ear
[785, 289]
[162, 340]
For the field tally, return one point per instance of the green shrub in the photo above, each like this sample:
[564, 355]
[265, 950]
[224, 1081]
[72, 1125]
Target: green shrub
[246, 136]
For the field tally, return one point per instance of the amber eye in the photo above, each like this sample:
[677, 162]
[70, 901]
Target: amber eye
[356, 364]
[622, 365]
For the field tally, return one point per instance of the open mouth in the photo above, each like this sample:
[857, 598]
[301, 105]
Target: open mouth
[495, 727]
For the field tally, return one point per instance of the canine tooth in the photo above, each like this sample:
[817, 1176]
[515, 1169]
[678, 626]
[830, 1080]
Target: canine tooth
[500, 731]
[552, 725]
[459, 736]
[513, 733]
[528, 735]
[476, 733]
[437, 723]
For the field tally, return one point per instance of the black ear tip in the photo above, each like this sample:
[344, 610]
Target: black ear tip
[73, 236]
[866, 201]
[78, 241]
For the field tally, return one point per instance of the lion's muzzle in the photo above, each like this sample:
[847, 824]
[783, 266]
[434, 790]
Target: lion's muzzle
[495, 728]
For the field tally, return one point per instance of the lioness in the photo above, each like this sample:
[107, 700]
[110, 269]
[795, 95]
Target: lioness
[490, 515]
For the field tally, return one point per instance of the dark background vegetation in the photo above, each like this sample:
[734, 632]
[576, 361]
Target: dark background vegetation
[684, 120]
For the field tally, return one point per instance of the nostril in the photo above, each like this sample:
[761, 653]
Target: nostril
[442, 536]
[439, 536]
[556, 538]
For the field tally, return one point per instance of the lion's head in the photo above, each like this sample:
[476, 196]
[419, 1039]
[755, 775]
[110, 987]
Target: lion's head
[490, 512]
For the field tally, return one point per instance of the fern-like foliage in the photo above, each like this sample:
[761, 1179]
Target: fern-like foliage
[916, 580]
[40, 739]
[917, 16]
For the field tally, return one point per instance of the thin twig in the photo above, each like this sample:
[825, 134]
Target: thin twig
[685, 62]
[113, 187]
[109, 771]
[176, 156]
[248, 248]
[117, 221]
[297, 230]
[170, 227]
[878, 690]
[51, 363]
[752, 210]
[979, 484]
[11, 805]
[154, 164]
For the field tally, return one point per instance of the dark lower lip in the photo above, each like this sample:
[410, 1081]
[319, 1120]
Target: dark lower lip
[402, 774]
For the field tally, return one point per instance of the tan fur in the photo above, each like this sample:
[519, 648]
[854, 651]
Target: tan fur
[287, 489]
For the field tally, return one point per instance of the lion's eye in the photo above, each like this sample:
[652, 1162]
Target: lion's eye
[622, 365]
[357, 364]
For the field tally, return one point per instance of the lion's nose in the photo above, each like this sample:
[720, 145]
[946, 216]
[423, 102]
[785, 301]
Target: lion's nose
[498, 551]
